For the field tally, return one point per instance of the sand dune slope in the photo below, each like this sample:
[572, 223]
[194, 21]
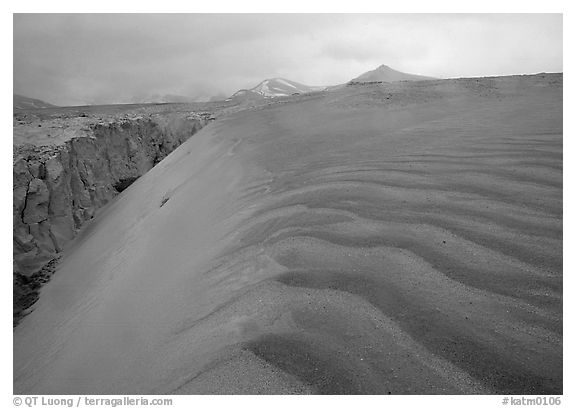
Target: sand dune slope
[392, 238]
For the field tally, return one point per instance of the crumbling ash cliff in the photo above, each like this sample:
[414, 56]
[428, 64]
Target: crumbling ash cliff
[66, 168]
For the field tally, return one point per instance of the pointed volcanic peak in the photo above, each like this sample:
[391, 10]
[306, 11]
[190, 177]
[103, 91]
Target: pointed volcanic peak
[23, 102]
[274, 88]
[386, 74]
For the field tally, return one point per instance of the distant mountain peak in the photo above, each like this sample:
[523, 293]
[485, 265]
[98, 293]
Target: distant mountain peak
[23, 102]
[275, 87]
[386, 74]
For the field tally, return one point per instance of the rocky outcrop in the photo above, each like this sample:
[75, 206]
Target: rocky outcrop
[58, 188]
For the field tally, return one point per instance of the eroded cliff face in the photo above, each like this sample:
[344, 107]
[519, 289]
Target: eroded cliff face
[58, 188]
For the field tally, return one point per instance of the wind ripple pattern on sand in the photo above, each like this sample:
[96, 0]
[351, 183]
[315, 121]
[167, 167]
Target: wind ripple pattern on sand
[427, 256]
[381, 239]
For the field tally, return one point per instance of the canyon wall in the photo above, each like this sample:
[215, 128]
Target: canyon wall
[57, 188]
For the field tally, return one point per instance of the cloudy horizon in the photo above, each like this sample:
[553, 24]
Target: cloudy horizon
[76, 59]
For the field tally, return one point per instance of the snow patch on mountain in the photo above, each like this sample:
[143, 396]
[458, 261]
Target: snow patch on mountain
[274, 88]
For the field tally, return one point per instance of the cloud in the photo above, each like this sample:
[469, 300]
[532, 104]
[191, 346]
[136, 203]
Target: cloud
[351, 50]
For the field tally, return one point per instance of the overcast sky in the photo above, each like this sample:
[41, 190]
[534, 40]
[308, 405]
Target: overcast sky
[78, 59]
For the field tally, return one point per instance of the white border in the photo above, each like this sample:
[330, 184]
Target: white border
[243, 6]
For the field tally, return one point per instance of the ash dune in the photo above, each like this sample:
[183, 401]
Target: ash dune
[394, 238]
